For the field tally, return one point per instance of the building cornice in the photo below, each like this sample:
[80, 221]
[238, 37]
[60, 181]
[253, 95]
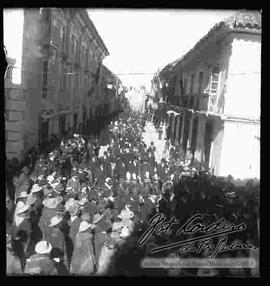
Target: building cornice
[84, 14]
[241, 22]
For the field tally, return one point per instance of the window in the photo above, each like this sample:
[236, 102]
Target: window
[45, 79]
[214, 80]
[83, 54]
[54, 20]
[63, 37]
[58, 22]
[185, 85]
[73, 44]
[201, 78]
[77, 53]
[191, 88]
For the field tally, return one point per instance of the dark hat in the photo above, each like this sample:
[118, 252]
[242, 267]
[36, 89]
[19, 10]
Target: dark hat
[60, 208]
[103, 224]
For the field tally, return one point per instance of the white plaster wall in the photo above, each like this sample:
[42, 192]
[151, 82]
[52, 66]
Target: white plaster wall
[244, 78]
[216, 147]
[13, 39]
[199, 153]
[240, 154]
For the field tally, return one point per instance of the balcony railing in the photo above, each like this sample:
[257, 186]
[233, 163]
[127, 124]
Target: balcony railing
[207, 102]
[203, 102]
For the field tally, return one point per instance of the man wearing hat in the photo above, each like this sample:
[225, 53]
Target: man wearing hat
[58, 188]
[56, 236]
[90, 206]
[48, 212]
[73, 182]
[83, 260]
[74, 224]
[37, 194]
[21, 232]
[22, 192]
[40, 262]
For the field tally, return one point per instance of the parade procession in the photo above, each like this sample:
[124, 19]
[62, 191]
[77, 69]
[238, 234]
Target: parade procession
[79, 211]
[123, 190]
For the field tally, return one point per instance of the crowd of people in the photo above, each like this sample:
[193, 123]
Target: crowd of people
[81, 209]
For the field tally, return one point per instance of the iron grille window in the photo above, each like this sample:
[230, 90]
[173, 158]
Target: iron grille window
[214, 81]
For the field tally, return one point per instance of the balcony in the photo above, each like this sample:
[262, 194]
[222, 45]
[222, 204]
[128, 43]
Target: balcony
[203, 101]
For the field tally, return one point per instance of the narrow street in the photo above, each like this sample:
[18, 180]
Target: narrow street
[132, 173]
[149, 135]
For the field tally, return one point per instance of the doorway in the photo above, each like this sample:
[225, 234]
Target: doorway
[194, 135]
[208, 139]
[186, 132]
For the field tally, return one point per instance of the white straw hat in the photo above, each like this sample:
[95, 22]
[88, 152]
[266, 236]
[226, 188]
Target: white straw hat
[128, 176]
[84, 225]
[50, 178]
[22, 208]
[126, 214]
[125, 232]
[43, 247]
[23, 194]
[36, 188]
[55, 221]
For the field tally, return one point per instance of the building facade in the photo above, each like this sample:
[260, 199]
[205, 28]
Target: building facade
[214, 91]
[23, 80]
[72, 57]
[53, 84]
[110, 93]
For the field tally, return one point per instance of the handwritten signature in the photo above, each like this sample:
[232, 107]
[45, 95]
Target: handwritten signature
[222, 227]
